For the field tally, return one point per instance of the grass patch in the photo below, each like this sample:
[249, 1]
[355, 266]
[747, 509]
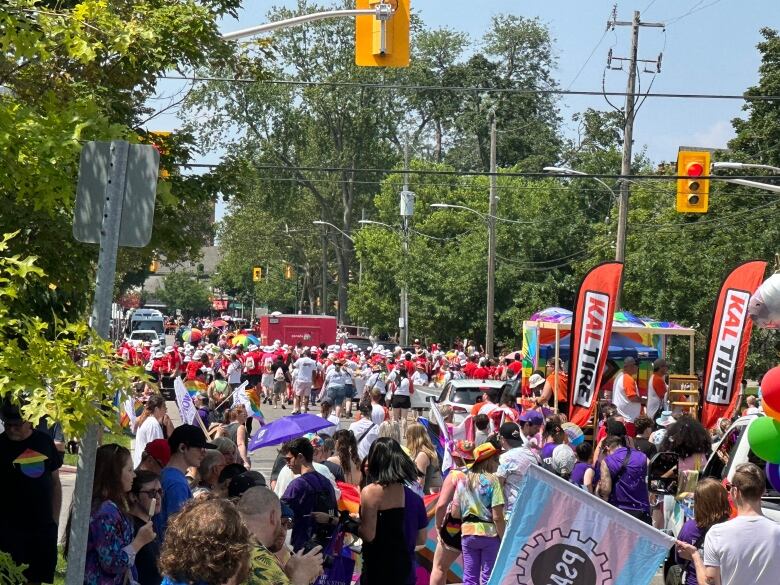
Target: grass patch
[108, 439]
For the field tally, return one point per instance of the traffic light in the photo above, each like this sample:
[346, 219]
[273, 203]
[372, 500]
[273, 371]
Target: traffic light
[382, 42]
[158, 139]
[257, 274]
[693, 191]
[288, 271]
[154, 266]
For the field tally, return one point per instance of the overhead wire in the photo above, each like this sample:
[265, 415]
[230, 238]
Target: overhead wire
[477, 89]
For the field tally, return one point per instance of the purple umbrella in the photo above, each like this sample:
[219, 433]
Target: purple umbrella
[287, 428]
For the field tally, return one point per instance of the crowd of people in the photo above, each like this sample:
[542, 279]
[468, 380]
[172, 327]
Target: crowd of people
[186, 507]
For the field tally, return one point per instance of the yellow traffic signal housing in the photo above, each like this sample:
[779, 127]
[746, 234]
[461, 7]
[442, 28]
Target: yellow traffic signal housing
[382, 43]
[154, 266]
[257, 274]
[288, 271]
[692, 190]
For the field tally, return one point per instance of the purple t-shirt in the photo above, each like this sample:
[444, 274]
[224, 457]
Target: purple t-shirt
[547, 451]
[630, 491]
[301, 496]
[690, 533]
[578, 473]
[415, 518]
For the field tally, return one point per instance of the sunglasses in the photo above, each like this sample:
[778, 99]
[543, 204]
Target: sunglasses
[152, 493]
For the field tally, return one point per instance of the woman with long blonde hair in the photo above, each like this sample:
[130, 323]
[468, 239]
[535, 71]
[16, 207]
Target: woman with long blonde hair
[424, 455]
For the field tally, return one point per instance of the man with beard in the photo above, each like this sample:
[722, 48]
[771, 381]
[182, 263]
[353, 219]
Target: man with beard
[262, 514]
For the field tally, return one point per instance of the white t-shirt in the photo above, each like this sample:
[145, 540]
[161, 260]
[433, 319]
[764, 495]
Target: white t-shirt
[377, 414]
[358, 429]
[234, 371]
[377, 380]
[654, 402]
[304, 369]
[747, 550]
[403, 388]
[331, 430]
[420, 378]
[149, 430]
[627, 409]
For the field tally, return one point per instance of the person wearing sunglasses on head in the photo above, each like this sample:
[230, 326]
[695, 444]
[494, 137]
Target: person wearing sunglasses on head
[145, 491]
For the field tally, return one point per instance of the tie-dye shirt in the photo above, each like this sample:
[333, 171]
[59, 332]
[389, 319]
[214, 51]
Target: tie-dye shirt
[476, 505]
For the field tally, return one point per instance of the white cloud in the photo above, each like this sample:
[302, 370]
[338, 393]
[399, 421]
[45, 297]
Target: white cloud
[716, 136]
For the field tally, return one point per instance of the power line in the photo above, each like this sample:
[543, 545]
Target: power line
[500, 174]
[509, 90]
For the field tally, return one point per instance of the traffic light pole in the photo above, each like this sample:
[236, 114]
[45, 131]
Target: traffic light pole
[403, 321]
[383, 11]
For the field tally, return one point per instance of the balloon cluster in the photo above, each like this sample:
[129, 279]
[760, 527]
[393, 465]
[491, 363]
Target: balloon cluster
[764, 305]
[764, 432]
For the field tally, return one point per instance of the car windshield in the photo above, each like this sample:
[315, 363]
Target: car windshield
[466, 394]
[157, 326]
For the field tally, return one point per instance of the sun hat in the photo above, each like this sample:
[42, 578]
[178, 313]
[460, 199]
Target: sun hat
[665, 419]
[483, 452]
[563, 460]
[535, 381]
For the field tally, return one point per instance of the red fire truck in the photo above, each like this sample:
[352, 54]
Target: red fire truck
[290, 329]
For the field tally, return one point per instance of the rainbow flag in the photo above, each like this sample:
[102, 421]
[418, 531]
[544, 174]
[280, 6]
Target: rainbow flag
[195, 387]
[558, 531]
[130, 411]
[251, 401]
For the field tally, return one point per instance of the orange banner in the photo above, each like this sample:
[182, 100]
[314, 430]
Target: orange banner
[592, 328]
[729, 341]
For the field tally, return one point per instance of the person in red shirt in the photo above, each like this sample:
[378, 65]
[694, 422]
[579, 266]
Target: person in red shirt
[481, 372]
[516, 366]
[193, 367]
[468, 369]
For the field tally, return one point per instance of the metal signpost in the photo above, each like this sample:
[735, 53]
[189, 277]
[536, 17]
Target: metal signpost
[114, 205]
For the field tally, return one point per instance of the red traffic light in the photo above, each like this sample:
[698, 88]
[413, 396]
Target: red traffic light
[694, 169]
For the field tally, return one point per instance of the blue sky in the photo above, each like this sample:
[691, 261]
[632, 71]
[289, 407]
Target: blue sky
[708, 47]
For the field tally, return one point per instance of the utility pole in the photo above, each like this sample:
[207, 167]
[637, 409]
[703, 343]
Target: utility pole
[407, 210]
[628, 130]
[491, 219]
[324, 294]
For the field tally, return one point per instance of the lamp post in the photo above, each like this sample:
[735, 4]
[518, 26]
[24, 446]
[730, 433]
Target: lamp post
[744, 182]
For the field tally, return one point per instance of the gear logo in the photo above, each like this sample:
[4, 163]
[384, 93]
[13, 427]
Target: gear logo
[562, 558]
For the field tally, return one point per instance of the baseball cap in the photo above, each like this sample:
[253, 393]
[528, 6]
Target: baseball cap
[510, 431]
[563, 460]
[159, 450]
[533, 417]
[188, 435]
[243, 481]
[10, 413]
[535, 380]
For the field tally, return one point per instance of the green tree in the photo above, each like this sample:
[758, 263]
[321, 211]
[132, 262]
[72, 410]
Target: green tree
[78, 71]
[184, 292]
[288, 129]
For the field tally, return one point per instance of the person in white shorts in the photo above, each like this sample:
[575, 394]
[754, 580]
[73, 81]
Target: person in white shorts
[304, 375]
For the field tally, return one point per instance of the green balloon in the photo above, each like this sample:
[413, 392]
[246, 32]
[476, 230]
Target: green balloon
[764, 439]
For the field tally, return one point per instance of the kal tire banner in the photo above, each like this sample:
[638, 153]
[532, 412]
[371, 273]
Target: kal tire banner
[590, 335]
[729, 341]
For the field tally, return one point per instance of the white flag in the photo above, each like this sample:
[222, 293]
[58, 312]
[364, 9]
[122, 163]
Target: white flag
[184, 401]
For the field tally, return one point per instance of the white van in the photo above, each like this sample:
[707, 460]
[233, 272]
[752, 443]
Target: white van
[147, 320]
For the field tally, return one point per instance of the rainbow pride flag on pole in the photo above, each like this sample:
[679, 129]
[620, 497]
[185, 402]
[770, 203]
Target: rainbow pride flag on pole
[560, 533]
[251, 401]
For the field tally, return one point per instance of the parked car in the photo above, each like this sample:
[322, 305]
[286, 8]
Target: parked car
[461, 395]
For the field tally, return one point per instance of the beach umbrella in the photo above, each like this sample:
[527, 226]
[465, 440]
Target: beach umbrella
[241, 339]
[287, 428]
[219, 323]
